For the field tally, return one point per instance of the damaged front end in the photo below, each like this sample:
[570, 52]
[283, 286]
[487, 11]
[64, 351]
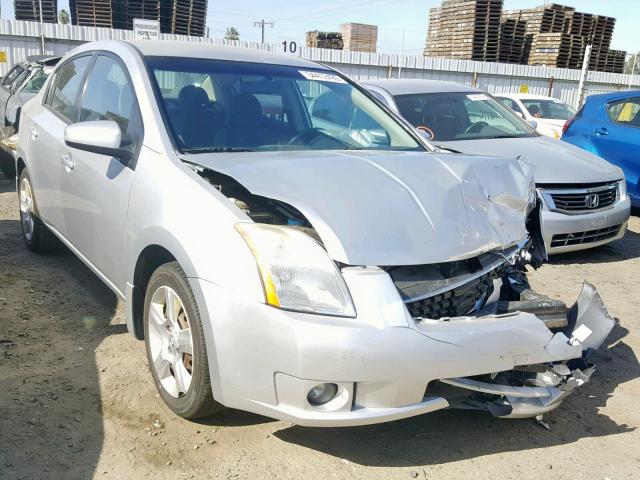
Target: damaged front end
[529, 389]
[442, 253]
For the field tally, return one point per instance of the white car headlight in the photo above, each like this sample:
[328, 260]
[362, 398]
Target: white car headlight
[296, 272]
[622, 186]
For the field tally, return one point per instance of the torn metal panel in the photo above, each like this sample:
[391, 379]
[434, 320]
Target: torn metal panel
[532, 390]
[392, 208]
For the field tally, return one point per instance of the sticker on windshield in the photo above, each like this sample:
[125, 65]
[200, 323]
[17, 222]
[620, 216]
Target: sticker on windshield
[476, 97]
[321, 76]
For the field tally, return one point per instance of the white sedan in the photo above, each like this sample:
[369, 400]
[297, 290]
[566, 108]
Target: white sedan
[548, 114]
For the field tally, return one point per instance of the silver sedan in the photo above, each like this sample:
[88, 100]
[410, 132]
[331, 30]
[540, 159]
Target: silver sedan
[285, 246]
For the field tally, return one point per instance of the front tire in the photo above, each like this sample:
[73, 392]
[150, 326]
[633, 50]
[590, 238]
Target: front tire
[175, 344]
[35, 234]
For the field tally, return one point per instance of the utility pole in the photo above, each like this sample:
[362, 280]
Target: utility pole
[401, 56]
[583, 77]
[633, 69]
[41, 28]
[261, 24]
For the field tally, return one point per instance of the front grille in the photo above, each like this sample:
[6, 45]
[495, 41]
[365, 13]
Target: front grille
[457, 301]
[584, 200]
[578, 238]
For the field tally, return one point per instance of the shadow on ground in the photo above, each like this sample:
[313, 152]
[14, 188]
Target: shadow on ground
[54, 313]
[453, 435]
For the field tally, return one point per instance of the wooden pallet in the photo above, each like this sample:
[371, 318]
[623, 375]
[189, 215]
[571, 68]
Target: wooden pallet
[330, 40]
[29, 10]
[359, 37]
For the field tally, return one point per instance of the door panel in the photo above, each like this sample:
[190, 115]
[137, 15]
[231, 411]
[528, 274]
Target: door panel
[46, 137]
[615, 136]
[96, 187]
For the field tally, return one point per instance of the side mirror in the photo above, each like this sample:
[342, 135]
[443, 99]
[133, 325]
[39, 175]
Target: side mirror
[103, 137]
[520, 114]
[533, 124]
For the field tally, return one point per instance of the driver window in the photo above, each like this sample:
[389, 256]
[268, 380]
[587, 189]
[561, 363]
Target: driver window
[109, 96]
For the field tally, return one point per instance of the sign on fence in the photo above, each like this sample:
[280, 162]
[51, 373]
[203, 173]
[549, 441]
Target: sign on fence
[3, 57]
[146, 29]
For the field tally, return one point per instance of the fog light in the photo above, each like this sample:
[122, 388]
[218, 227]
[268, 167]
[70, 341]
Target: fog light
[322, 393]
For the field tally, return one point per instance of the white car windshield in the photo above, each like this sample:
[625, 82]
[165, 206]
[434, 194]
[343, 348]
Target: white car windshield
[548, 109]
[461, 116]
[224, 106]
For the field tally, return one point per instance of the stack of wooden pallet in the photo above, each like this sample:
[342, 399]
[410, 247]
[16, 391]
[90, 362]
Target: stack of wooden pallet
[465, 29]
[600, 39]
[615, 61]
[560, 50]
[93, 13]
[512, 41]
[359, 37]
[182, 17]
[331, 40]
[30, 10]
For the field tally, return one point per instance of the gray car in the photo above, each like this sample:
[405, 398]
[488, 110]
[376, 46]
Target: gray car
[19, 85]
[285, 246]
[584, 202]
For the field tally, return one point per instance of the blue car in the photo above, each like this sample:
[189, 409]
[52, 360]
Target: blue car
[609, 126]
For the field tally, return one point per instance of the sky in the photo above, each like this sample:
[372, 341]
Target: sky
[393, 17]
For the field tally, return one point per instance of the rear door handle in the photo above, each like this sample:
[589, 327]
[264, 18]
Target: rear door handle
[601, 131]
[34, 133]
[67, 162]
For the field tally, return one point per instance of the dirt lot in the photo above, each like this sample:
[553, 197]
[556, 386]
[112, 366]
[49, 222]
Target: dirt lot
[77, 402]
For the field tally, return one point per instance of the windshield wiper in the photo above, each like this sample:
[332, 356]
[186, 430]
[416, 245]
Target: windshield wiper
[217, 150]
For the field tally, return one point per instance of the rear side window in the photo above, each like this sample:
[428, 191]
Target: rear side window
[66, 86]
[625, 112]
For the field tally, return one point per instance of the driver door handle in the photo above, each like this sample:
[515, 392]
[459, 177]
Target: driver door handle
[66, 161]
[601, 131]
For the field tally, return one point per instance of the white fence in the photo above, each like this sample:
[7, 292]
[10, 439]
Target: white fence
[20, 39]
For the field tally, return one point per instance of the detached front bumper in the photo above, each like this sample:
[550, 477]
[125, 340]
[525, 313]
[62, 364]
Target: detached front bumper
[386, 365]
[564, 232]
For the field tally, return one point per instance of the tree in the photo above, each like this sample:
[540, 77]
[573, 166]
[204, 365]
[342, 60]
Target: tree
[63, 17]
[232, 34]
[633, 63]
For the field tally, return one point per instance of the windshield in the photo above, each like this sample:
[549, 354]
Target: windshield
[224, 106]
[461, 116]
[548, 109]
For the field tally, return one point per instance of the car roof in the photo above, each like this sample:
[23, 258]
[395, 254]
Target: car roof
[166, 48]
[413, 86]
[603, 97]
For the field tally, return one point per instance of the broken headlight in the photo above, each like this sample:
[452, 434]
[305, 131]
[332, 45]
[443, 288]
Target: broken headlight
[297, 274]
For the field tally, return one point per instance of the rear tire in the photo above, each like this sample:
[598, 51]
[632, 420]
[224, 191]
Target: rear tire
[175, 344]
[35, 234]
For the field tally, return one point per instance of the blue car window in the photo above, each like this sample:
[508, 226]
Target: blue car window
[625, 112]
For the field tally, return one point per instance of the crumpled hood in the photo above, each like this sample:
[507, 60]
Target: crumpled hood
[555, 161]
[391, 208]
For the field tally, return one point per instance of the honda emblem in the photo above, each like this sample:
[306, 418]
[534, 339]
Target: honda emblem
[592, 200]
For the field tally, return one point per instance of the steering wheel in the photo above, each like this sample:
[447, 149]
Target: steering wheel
[476, 127]
[307, 137]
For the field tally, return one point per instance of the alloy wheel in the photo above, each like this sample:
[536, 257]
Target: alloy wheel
[170, 341]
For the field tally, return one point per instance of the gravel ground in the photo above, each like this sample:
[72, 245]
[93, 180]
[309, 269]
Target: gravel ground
[77, 401]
